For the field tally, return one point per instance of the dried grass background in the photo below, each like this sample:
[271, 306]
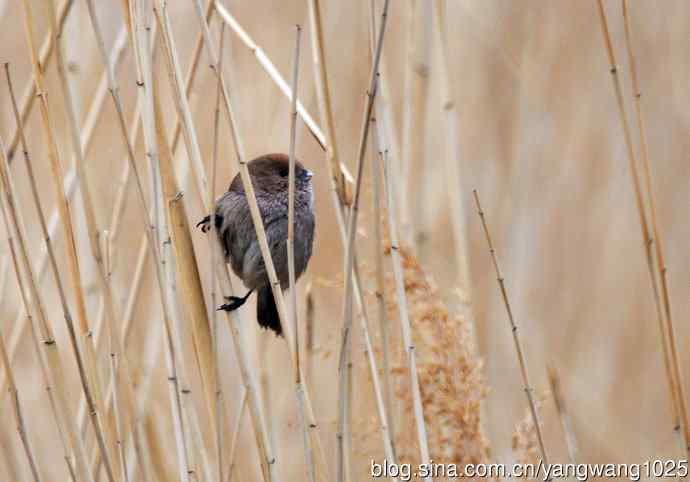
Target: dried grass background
[541, 140]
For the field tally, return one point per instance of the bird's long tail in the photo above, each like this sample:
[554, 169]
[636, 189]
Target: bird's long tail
[267, 312]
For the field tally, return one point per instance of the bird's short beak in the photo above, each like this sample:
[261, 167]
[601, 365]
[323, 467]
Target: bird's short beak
[308, 174]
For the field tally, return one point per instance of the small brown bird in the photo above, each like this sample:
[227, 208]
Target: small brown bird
[235, 227]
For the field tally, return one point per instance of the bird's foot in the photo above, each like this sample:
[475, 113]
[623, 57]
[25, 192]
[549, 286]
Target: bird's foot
[234, 302]
[205, 224]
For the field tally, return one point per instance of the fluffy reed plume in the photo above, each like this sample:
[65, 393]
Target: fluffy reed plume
[450, 374]
[525, 439]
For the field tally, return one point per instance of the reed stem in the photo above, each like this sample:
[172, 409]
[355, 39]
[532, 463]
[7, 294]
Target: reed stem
[529, 391]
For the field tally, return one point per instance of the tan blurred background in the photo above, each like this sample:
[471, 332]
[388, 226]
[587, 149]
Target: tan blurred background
[540, 139]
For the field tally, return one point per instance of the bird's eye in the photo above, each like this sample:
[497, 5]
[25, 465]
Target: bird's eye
[284, 172]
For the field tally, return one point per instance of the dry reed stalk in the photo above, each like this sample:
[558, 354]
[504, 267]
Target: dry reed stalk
[403, 313]
[529, 391]
[271, 70]
[343, 436]
[656, 236]
[213, 313]
[261, 234]
[383, 395]
[308, 456]
[192, 71]
[14, 392]
[86, 364]
[113, 230]
[88, 400]
[187, 267]
[119, 367]
[378, 249]
[156, 229]
[235, 434]
[340, 205]
[256, 412]
[414, 122]
[679, 409]
[187, 276]
[87, 130]
[88, 127]
[119, 203]
[323, 93]
[384, 113]
[275, 76]
[51, 366]
[384, 414]
[563, 415]
[29, 95]
[385, 146]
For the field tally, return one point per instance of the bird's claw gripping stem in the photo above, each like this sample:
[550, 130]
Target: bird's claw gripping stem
[205, 224]
[235, 302]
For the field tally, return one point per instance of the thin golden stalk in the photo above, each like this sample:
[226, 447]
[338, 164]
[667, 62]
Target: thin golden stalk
[672, 355]
[343, 435]
[323, 93]
[65, 217]
[382, 408]
[118, 364]
[14, 392]
[105, 272]
[275, 76]
[529, 391]
[29, 96]
[51, 366]
[213, 313]
[403, 314]
[89, 400]
[94, 112]
[198, 315]
[187, 276]
[87, 130]
[192, 71]
[379, 249]
[308, 459]
[384, 113]
[154, 230]
[679, 411]
[563, 415]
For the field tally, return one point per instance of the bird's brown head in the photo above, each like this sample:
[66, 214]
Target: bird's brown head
[270, 175]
